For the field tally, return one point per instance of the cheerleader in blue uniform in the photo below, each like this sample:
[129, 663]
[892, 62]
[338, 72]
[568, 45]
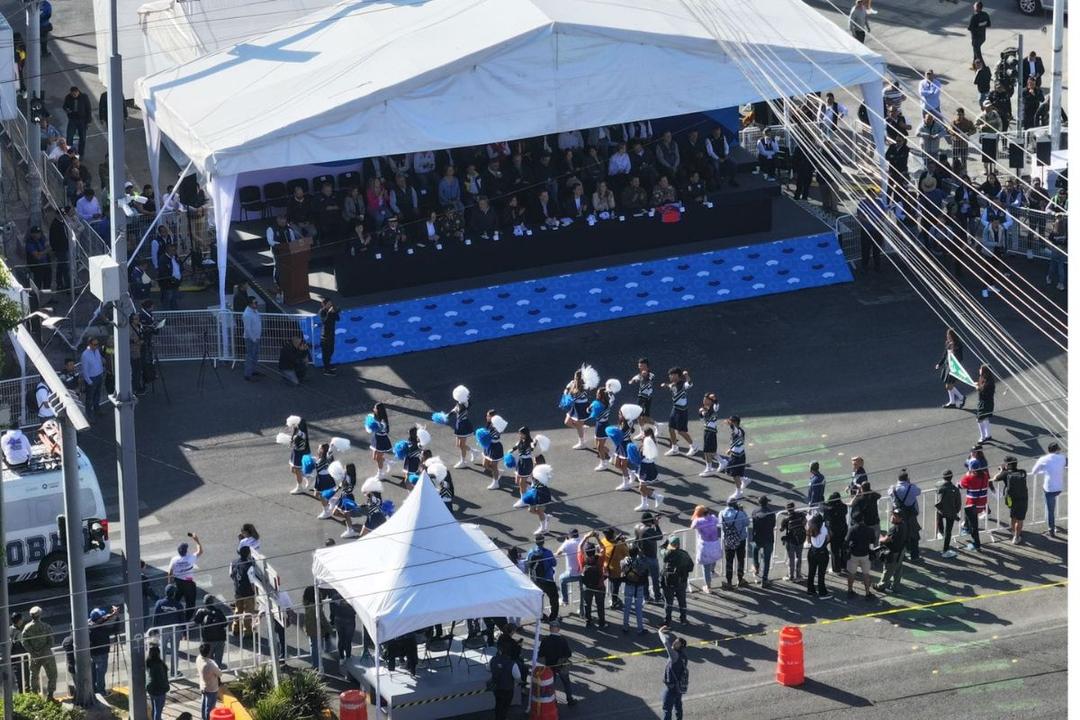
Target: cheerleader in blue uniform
[374, 515]
[344, 502]
[709, 418]
[538, 496]
[493, 453]
[463, 427]
[323, 481]
[327, 486]
[439, 475]
[600, 411]
[523, 466]
[678, 424]
[586, 379]
[412, 454]
[299, 446]
[647, 475]
[380, 443]
[628, 413]
[644, 381]
[735, 462]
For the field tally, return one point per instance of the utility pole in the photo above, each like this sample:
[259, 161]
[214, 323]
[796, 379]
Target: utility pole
[73, 528]
[33, 89]
[124, 400]
[1057, 37]
[6, 680]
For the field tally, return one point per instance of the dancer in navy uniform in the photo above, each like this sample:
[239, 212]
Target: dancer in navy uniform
[323, 480]
[678, 424]
[373, 492]
[380, 443]
[644, 381]
[709, 418]
[493, 454]
[735, 462]
[344, 502]
[984, 411]
[300, 446]
[628, 414]
[647, 475]
[419, 438]
[586, 379]
[327, 486]
[953, 345]
[463, 427]
[523, 466]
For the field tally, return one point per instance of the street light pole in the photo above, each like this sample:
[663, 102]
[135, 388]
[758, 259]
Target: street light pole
[1057, 38]
[6, 679]
[124, 400]
[73, 527]
[33, 90]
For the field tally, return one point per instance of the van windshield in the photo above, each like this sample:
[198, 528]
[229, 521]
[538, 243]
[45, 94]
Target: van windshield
[38, 512]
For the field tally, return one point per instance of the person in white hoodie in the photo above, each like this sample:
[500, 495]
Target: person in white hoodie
[1052, 468]
[252, 335]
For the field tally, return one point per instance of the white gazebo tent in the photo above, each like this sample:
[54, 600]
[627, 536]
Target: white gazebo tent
[378, 77]
[422, 568]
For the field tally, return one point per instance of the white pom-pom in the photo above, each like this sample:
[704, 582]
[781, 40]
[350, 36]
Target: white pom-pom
[283, 439]
[292, 421]
[542, 474]
[542, 443]
[613, 386]
[435, 460]
[498, 423]
[339, 445]
[337, 471]
[437, 471]
[630, 411]
[372, 485]
[461, 394]
[590, 376]
[423, 436]
[649, 450]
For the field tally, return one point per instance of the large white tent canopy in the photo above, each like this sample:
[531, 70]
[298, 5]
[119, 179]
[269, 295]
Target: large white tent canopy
[365, 78]
[422, 568]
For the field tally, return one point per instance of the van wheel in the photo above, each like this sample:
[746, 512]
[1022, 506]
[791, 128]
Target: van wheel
[53, 570]
[1029, 7]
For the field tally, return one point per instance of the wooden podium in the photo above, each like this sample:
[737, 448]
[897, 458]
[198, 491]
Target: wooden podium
[292, 269]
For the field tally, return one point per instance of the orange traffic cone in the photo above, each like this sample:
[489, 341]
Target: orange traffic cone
[789, 657]
[543, 695]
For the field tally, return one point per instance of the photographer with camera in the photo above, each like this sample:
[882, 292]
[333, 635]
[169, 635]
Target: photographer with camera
[859, 541]
[676, 673]
[293, 360]
[103, 627]
[735, 526]
[905, 497]
[674, 576]
[892, 548]
[182, 573]
[1013, 483]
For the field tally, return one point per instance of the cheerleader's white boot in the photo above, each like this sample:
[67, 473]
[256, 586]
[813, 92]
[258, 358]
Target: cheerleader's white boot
[520, 503]
[709, 470]
[297, 490]
[643, 505]
[624, 485]
[601, 466]
[579, 445]
[350, 533]
[494, 485]
[673, 451]
[472, 455]
[459, 464]
[692, 450]
[325, 514]
[657, 498]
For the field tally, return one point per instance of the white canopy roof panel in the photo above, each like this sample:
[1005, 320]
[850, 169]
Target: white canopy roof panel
[364, 78]
[422, 568]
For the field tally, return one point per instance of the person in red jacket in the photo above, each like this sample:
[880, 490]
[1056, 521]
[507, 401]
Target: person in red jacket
[976, 485]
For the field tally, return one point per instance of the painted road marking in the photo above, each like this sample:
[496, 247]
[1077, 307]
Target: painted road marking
[766, 422]
[801, 468]
[875, 614]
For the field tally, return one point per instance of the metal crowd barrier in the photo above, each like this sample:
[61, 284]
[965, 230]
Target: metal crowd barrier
[13, 400]
[195, 334]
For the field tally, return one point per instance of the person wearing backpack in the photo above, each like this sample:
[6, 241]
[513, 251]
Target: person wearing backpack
[894, 543]
[817, 555]
[504, 677]
[836, 520]
[905, 497]
[676, 673]
[592, 585]
[734, 526]
[948, 510]
[1013, 482]
[212, 621]
[793, 535]
[674, 576]
[763, 529]
[635, 576]
[243, 590]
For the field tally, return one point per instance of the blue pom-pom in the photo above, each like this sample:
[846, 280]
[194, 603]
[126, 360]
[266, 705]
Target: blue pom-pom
[371, 424]
[595, 409]
[328, 493]
[566, 401]
[509, 462]
[529, 496]
[387, 507]
[401, 449]
[633, 454]
[348, 505]
[413, 478]
[439, 418]
[307, 464]
[614, 434]
[483, 438]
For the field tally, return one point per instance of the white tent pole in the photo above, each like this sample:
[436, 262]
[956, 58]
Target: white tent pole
[375, 643]
[535, 655]
[874, 100]
[153, 152]
[160, 211]
[318, 629]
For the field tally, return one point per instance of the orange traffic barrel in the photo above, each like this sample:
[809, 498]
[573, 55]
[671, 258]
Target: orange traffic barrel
[789, 657]
[222, 713]
[353, 705]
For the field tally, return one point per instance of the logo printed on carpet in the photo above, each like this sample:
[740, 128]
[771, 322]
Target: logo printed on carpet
[620, 291]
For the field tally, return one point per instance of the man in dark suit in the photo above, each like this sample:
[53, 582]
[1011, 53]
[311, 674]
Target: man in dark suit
[545, 211]
[1032, 67]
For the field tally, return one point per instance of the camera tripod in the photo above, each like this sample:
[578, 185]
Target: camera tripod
[207, 360]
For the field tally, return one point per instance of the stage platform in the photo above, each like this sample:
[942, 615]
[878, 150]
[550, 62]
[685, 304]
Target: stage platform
[446, 685]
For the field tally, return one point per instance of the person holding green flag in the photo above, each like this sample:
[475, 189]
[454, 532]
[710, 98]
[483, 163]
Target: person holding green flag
[952, 369]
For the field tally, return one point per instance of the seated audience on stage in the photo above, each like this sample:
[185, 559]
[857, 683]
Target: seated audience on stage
[633, 198]
[577, 205]
[299, 214]
[603, 199]
[484, 221]
[663, 193]
[545, 212]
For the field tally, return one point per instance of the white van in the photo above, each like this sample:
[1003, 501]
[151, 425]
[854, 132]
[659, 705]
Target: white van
[33, 497]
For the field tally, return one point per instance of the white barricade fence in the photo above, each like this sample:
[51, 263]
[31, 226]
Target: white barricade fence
[195, 334]
[15, 405]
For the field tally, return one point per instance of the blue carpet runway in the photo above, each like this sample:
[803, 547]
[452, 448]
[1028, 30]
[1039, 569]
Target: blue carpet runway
[578, 298]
